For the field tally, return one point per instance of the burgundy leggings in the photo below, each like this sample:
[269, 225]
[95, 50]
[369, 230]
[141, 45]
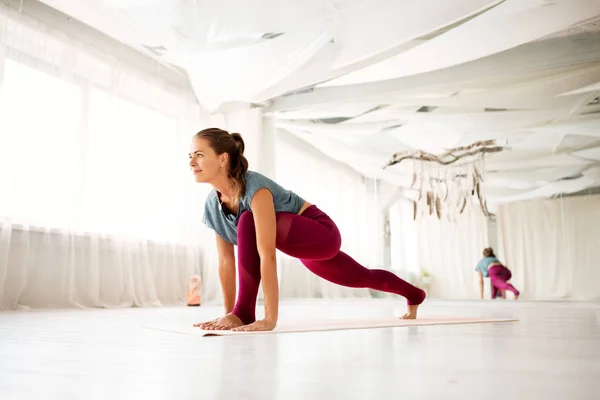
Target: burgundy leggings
[314, 239]
[500, 275]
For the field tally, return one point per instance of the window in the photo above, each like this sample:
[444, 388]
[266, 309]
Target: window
[73, 156]
[132, 163]
[40, 121]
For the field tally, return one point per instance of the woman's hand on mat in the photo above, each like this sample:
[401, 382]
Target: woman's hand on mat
[225, 323]
[260, 325]
[203, 325]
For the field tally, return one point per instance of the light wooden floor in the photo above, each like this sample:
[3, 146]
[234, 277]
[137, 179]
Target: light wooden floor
[552, 353]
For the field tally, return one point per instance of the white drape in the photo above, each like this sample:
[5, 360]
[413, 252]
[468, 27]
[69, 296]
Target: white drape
[239, 74]
[97, 208]
[552, 247]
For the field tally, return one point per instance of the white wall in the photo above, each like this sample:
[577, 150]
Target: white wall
[552, 247]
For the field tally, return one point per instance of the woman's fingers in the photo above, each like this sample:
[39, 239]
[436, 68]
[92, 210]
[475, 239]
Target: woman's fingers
[205, 324]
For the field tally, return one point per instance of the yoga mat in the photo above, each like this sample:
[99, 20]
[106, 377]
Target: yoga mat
[331, 325]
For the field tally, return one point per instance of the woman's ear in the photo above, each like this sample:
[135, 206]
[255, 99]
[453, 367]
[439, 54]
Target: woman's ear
[223, 159]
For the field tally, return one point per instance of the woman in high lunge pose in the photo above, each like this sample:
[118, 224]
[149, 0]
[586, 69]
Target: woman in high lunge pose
[254, 212]
[499, 275]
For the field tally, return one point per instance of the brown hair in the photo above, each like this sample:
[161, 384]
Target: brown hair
[221, 142]
[488, 252]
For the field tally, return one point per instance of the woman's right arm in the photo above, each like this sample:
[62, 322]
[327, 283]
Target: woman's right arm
[480, 284]
[227, 273]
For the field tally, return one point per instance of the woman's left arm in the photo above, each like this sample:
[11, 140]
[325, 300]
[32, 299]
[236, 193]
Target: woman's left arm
[263, 210]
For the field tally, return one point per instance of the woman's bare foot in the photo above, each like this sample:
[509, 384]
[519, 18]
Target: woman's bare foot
[412, 309]
[225, 323]
[412, 312]
[516, 297]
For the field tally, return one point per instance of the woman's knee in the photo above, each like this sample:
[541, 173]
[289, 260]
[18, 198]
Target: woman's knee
[246, 224]
[246, 218]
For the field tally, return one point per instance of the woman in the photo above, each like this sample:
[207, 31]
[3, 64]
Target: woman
[252, 211]
[498, 273]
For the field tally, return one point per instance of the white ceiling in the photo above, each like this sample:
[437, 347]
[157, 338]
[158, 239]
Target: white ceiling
[361, 80]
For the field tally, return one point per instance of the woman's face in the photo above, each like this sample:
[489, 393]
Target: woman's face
[205, 163]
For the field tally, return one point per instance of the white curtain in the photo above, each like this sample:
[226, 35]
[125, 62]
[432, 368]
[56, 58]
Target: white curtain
[97, 206]
[552, 247]
[449, 252]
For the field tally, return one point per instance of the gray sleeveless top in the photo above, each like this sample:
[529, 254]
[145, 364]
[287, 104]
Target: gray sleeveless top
[225, 223]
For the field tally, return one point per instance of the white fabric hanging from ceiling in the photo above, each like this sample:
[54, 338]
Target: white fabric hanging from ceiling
[480, 37]
[223, 76]
[371, 27]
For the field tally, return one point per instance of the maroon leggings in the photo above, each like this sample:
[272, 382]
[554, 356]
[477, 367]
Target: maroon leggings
[499, 276]
[314, 239]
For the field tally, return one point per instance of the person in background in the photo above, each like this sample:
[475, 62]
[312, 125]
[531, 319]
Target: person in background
[490, 266]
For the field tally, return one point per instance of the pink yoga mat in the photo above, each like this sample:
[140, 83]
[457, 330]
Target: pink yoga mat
[332, 325]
